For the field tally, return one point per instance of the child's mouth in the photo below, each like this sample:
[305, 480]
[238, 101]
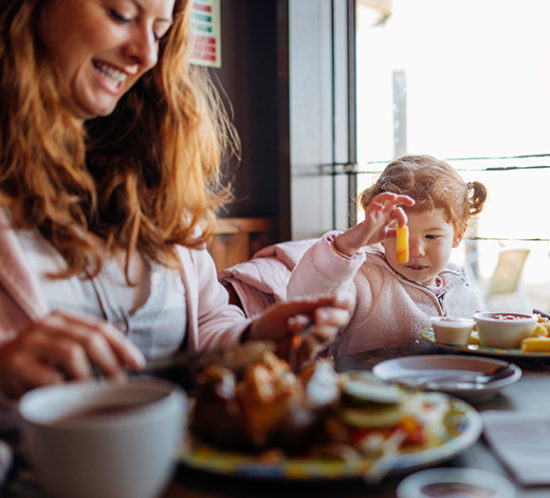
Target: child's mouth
[416, 267]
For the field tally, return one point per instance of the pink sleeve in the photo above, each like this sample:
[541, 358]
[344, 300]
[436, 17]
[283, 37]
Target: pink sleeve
[213, 322]
[323, 269]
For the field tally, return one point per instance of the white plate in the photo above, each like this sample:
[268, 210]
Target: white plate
[462, 433]
[449, 373]
[428, 335]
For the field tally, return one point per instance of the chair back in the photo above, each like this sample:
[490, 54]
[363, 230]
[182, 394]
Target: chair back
[507, 275]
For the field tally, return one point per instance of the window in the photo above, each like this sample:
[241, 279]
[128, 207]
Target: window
[467, 81]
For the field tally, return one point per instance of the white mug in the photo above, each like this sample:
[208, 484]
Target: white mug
[104, 439]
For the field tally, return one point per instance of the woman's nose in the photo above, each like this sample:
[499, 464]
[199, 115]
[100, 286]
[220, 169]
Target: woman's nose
[143, 48]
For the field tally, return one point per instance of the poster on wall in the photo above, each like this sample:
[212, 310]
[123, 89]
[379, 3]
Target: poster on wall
[205, 26]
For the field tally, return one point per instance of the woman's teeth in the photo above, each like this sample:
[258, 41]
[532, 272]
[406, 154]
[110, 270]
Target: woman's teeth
[111, 73]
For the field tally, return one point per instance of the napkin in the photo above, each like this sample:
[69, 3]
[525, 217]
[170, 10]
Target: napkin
[521, 440]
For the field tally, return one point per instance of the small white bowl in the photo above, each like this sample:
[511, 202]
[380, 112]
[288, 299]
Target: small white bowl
[454, 482]
[503, 329]
[452, 331]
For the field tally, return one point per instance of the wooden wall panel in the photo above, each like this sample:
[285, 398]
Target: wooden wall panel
[236, 239]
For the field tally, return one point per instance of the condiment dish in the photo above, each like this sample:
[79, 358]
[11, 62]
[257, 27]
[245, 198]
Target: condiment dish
[452, 331]
[503, 329]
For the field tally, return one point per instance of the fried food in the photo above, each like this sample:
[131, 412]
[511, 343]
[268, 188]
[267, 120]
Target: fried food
[540, 331]
[268, 410]
[266, 406]
[539, 344]
[265, 397]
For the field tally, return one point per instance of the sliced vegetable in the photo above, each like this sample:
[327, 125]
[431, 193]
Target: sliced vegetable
[365, 393]
[371, 418]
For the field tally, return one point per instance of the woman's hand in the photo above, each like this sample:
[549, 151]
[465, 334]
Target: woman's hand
[64, 346]
[303, 328]
[380, 215]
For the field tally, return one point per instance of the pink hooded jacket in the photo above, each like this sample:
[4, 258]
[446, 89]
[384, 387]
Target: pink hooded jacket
[389, 308]
[262, 280]
[211, 322]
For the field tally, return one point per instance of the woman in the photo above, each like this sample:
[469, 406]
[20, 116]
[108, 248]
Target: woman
[109, 160]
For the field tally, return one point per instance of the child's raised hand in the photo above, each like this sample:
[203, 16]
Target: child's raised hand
[380, 213]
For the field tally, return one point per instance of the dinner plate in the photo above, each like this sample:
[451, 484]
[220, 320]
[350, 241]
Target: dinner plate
[453, 374]
[464, 431]
[428, 335]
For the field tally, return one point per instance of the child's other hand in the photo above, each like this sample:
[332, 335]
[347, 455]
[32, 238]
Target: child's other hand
[379, 215]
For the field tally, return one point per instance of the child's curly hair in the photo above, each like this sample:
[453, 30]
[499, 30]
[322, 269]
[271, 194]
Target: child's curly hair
[433, 184]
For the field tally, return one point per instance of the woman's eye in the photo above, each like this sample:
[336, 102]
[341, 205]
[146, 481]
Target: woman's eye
[161, 33]
[117, 16]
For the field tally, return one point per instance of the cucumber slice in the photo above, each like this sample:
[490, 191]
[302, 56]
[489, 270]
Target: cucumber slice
[371, 418]
[360, 393]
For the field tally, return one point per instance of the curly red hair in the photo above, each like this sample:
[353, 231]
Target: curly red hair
[433, 184]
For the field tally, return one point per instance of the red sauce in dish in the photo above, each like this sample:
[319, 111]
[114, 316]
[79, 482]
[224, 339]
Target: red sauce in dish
[506, 316]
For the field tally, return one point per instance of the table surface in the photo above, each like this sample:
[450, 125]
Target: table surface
[529, 394]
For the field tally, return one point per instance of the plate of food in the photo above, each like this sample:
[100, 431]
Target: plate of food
[268, 422]
[460, 375]
[536, 346]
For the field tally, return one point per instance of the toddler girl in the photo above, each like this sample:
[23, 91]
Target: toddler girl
[394, 301]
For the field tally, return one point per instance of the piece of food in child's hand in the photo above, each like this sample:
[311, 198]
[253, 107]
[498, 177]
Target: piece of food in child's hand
[402, 244]
[539, 344]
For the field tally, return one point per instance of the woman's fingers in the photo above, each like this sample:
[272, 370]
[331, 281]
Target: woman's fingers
[74, 350]
[77, 346]
[303, 328]
[330, 311]
[104, 345]
[298, 323]
[66, 356]
[319, 334]
[65, 346]
[316, 341]
[21, 370]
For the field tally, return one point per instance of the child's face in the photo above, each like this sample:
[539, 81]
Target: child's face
[431, 239]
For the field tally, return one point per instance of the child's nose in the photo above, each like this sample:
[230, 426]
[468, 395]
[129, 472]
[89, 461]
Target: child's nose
[416, 247]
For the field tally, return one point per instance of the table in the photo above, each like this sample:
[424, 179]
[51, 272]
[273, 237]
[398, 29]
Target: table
[529, 394]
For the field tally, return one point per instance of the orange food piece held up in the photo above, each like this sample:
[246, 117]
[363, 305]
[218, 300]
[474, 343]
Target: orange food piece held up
[402, 244]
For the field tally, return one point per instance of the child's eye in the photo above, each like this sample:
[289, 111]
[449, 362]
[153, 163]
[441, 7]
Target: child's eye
[432, 236]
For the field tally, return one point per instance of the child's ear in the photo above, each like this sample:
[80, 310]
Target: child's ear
[459, 233]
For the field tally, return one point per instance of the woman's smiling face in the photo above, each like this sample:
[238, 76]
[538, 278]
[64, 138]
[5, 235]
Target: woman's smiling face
[102, 47]
[431, 240]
